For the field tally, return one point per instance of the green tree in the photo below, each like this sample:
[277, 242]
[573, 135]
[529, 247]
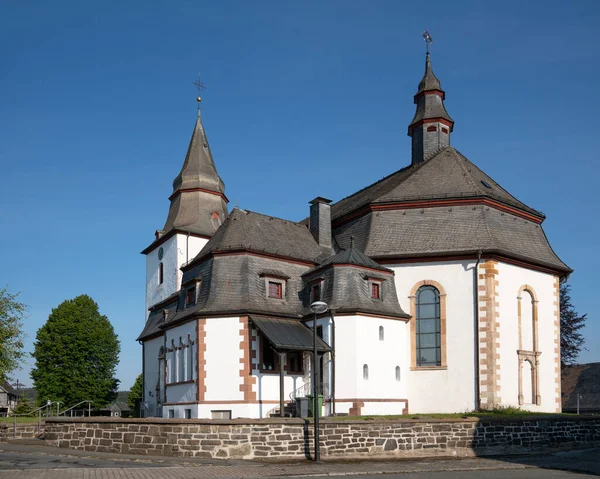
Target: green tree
[76, 353]
[11, 333]
[135, 393]
[571, 323]
[23, 406]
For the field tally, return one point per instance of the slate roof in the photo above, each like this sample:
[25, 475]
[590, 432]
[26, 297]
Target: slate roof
[288, 334]
[346, 288]
[448, 174]
[199, 169]
[351, 256]
[444, 231]
[8, 388]
[246, 230]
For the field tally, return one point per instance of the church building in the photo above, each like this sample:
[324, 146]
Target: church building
[441, 292]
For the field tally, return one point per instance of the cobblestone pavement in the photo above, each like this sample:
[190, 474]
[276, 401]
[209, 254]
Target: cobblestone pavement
[34, 462]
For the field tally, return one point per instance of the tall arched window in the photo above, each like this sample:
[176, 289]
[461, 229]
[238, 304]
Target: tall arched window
[161, 273]
[365, 371]
[381, 333]
[428, 330]
[398, 373]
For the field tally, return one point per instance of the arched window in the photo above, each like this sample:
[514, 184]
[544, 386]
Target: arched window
[428, 330]
[381, 333]
[365, 371]
[397, 373]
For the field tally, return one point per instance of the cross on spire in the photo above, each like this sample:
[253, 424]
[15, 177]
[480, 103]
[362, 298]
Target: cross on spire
[427, 38]
[199, 86]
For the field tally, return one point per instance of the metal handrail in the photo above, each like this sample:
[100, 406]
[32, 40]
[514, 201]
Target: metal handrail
[89, 403]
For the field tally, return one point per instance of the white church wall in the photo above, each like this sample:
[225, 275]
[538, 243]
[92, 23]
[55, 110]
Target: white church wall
[176, 251]
[510, 279]
[222, 358]
[380, 356]
[180, 392]
[187, 249]
[151, 349]
[156, 292]
[457, 381]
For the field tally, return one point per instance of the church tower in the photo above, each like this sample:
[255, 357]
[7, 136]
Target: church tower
[198, 208]
[431, 126]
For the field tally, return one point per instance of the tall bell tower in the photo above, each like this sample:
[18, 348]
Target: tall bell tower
[198, 207]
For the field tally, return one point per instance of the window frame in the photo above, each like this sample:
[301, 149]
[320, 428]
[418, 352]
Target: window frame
[376, 284]
[275, 281]
[190, 301]
[442, 326]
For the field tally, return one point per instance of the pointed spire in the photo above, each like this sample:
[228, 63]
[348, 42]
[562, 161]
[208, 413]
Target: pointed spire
[198, 201]
[431, 126]
[429, 81]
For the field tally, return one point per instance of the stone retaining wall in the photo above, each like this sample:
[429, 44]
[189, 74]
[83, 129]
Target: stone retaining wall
[24, 431]
[292, 438]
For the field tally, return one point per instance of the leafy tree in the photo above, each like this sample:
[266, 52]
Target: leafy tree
[76, 353]
[11, 334]
[23, 406]
[135, 393]
[571, 323]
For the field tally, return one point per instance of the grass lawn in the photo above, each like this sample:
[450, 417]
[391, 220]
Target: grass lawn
[20, 420]
[497, 413]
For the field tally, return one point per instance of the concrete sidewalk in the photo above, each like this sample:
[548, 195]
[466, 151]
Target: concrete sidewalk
[33, 462]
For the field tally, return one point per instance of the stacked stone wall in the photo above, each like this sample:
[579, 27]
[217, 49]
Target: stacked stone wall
[292, 438]
[23, 431]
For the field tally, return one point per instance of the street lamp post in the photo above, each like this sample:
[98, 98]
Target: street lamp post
[318, 307]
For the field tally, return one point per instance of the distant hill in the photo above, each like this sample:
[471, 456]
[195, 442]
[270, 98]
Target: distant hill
[582, 379]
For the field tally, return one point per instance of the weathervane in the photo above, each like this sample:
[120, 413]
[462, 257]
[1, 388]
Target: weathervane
[427, 38]
[199, 86]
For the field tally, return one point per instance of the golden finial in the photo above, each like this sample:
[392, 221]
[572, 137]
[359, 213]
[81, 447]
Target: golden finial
[200, 86]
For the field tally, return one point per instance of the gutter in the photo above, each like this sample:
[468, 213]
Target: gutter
[476, 316]
[332, 315]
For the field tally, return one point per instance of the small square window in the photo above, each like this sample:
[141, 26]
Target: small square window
[190, 296]
[171, 414]
[375, 290]
[188, 414]
[275, 289]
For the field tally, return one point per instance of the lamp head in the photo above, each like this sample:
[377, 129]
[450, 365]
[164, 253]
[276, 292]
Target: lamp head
[319, 307]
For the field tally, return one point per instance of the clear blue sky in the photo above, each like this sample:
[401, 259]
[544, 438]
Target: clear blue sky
[304, 99]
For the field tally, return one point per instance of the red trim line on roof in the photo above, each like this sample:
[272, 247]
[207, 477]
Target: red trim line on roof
[473, 257]
[203, 190]
[247, 252]
[434, 204]
[448, 123]
[440, 93]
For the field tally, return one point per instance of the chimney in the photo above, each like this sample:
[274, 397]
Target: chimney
[320, 221]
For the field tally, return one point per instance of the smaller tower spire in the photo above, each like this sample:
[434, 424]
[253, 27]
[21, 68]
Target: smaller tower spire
[431, 126]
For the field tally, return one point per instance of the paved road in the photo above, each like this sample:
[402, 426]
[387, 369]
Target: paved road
[36, 462]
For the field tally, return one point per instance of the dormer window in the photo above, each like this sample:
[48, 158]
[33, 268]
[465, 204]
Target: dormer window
[190, 296]
[275, 289]
[315, 292]
[375, 289]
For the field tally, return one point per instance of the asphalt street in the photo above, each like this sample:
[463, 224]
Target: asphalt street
[21, 461]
